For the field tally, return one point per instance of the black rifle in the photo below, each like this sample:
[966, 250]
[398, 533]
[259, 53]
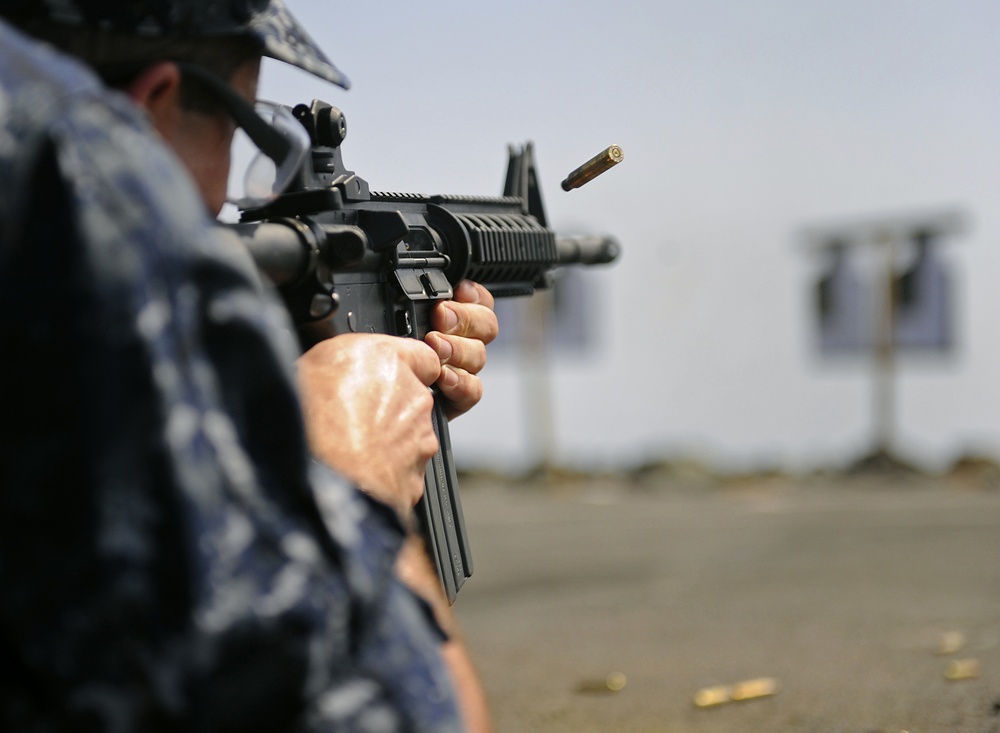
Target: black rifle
[347, 259]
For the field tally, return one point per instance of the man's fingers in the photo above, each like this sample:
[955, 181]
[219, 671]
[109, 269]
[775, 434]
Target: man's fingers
[467, 354]
[421, 358]
[471, 292]
[468, 320]
[469, 315]
[462, 390]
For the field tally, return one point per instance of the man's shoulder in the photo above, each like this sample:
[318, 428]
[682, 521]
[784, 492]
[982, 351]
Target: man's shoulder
[51, 101]
[38, 86]
[123, 182]
[30, 62]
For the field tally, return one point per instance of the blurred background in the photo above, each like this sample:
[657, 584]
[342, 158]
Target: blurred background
[791, 168]
[754, 136]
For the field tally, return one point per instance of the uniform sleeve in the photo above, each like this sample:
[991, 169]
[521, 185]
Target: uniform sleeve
[164, 561]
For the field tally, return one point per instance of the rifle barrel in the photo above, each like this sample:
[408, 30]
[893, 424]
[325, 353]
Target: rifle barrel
[586, 249]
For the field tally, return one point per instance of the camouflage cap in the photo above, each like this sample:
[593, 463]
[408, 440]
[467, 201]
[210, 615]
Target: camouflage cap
[268, 21]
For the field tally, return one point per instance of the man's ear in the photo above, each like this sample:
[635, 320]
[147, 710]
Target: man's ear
[158, 91]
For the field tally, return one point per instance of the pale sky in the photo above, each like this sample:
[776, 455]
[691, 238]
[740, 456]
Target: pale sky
[742, 123]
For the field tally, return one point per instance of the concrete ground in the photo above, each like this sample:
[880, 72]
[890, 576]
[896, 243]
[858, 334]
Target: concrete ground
[853, 599]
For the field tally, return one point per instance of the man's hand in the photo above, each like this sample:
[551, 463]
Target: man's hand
[367, 407]
[366, 400]
[463, 328]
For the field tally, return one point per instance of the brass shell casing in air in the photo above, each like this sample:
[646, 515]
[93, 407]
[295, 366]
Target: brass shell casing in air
[594, 167]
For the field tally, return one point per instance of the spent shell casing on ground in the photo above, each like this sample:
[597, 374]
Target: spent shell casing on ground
[962, 669]
[754, 689]
[708, 697]
[614, 682]
[594, 167]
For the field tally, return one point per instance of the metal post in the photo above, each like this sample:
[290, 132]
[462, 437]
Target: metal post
[884, 397]
[540, 426]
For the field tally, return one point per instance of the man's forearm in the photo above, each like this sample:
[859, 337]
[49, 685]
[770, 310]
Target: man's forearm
[415, 570]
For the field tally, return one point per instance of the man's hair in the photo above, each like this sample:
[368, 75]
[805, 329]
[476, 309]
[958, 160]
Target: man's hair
[118, 58]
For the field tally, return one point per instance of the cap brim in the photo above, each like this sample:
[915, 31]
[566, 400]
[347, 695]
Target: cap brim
[285, 39]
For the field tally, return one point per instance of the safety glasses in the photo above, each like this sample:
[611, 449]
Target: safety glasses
[280, 143]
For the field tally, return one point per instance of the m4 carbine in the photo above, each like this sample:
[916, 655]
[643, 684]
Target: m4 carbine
[348, 259]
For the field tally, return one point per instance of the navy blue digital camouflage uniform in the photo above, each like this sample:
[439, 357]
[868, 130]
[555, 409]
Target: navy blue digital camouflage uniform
[164, 563]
